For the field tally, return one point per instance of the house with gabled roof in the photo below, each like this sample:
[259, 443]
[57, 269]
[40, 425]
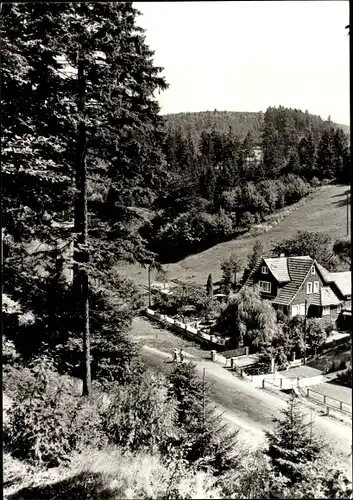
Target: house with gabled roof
[299, 285]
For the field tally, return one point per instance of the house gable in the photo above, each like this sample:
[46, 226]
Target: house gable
[311, 292]
[261, 278]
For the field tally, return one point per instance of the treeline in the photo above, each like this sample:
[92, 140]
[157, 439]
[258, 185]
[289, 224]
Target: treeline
[220, 184]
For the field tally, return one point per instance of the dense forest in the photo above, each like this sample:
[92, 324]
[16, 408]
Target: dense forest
[227, 171]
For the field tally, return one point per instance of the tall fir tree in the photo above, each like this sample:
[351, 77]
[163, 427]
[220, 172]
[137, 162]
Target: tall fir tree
[326, 155]
[101, 46]
[307, 156]
[209, 286]
[292, 444]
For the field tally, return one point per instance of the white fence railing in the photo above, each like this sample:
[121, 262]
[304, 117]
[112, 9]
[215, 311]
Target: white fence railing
[302, 385]
[190, 331]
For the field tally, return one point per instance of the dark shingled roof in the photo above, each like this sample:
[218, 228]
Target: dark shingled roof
[298, 269]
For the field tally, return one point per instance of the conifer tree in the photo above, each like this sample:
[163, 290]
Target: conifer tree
[292, 445]
[208, 183]
[307, 156]
[326, 155]
[113, 111]
[209, 286]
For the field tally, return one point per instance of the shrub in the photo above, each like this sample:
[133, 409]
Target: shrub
[296, 188]
[9, 352]
[315, 182]
[50, 420]
[342, 365]
[247, 220]
[139, 416]
[345, 378]
[327, 325]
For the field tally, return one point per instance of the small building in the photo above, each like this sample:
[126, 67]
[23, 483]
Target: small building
[294, 284]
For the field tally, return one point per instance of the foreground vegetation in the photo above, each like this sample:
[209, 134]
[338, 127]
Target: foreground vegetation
[156, 437]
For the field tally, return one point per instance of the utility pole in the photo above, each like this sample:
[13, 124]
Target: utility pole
[149, 285]
[80, 281]
[306, 306]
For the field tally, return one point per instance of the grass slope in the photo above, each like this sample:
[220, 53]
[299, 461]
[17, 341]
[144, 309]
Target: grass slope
[325, 210]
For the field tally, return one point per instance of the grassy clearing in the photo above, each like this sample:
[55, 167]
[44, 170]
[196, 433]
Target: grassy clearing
[145, 332]
[106, 475]
[324, 210]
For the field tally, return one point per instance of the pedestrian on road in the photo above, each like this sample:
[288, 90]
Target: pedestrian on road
[181, 354]
[175, 356]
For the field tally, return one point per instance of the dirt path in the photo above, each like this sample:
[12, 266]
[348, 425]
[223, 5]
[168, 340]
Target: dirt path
[149, 333]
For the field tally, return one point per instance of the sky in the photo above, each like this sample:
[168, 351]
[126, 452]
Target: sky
[248, 55]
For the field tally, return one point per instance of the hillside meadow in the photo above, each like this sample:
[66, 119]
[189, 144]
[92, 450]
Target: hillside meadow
[325, 209]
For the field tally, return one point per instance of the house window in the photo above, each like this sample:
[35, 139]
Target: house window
[316, 286]
[312, 269]
[264, 270]
[326, 310]
[302, 309]
[339, 308]
[309, 287]
[265, 286]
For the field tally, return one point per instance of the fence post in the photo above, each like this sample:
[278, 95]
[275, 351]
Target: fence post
[327, 411]
[263, 383]
[341, 405]
[324, 399]
[307, 392]
[280, 382]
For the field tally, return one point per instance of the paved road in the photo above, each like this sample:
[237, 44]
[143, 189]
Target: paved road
[252, 409]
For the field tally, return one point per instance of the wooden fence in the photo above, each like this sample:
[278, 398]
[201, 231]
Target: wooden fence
[328, 402]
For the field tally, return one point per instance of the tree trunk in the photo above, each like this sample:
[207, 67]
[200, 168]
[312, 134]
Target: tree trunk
[80, 275]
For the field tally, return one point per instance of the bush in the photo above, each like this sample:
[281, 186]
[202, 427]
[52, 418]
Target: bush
[296, 188]
[9, 351]
[342, 365]
[247, 220]
[50, 420]
[327, 325]
[140, 416]
[345, 378]
[315, 182]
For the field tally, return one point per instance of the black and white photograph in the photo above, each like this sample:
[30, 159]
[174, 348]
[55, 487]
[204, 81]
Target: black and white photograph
[176, 250]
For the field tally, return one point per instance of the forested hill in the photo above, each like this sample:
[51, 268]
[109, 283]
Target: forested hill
[242, 122]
